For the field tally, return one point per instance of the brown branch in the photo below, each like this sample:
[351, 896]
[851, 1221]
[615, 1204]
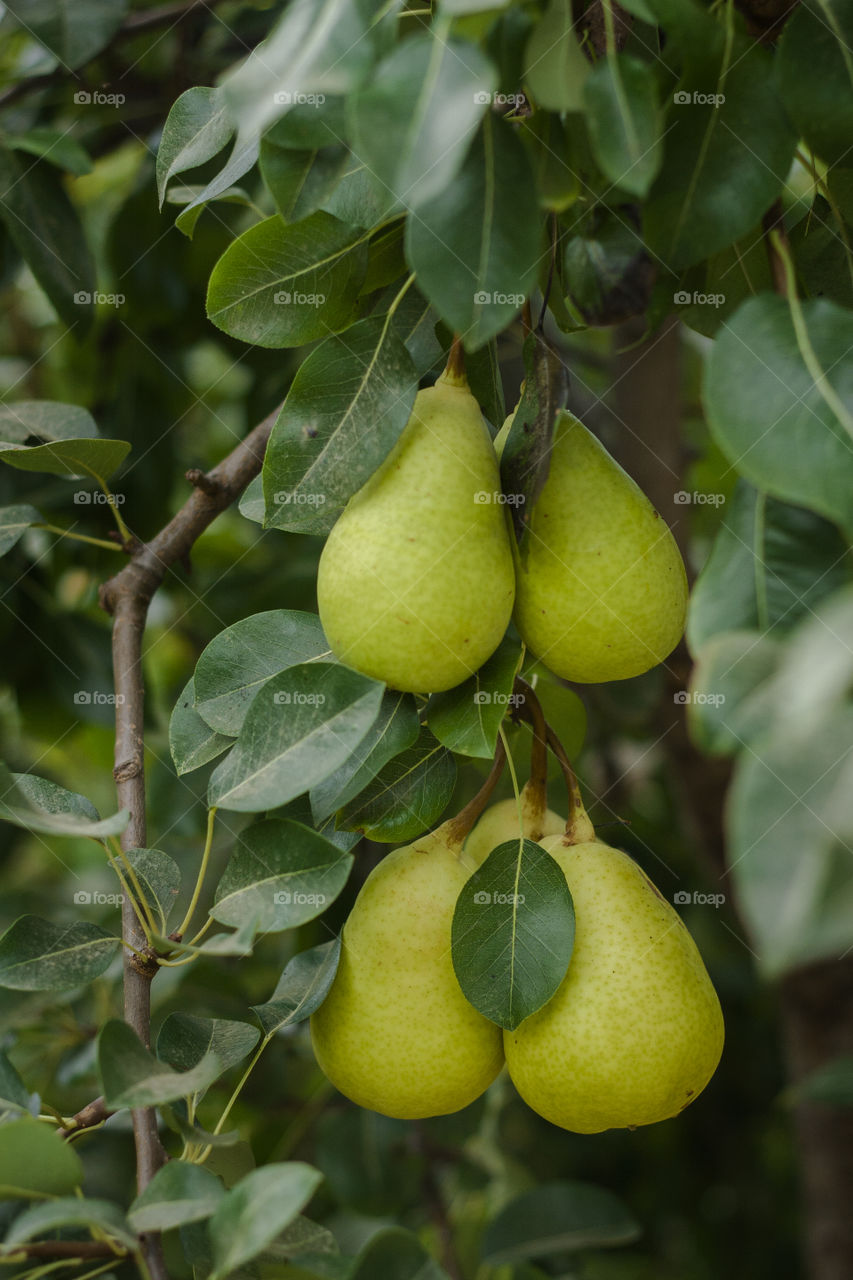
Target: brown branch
[93, 1114]
[127, 596]
[593, 20]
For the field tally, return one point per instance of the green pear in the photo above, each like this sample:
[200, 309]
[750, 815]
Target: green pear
[395, 1033]
[635, 1031]
[500, 822]
[601, 586]
[416, 580]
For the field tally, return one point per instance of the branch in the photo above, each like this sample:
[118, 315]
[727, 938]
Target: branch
[595, 21]
[93, 1114]
[127, 596]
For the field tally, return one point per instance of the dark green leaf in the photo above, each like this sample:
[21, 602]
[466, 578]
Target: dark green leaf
[40, 805]
[814, 67]
[69, 1211]
[242, 158]
[253, 1213]
[14, 521]
[302, 987]
[406, 797]
[466, 719]
[196, 129]
[36, 955]
[14, 1094]
[558, 1218]
[178, 1193]
[46, 419]
[55, 146]
[192, 742]
[185, 1039]
[73, 33]
[71, 458]
[395, 729]
[132, 1077]
[555, 65]
[159, 879]
[624, 119]
[526, 457]
[396, 1255]
[300, 181]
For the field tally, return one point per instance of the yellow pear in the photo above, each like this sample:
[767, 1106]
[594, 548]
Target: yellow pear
[416, 580]
[635, 1031]
[601, 586]
[500, 822]
[395, 1033]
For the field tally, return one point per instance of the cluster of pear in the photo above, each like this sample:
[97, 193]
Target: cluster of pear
[631, 1036]
[418, 578]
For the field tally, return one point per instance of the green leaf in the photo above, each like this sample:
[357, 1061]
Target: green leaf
[69, 1211]
[36, 955]
[54, 146]
[72, 458]
[72, 32]
[344, 412]
[814, 71]
[196, 129]
[306, 723]
[557, 180]
[396, 1255]
[411, 124]
[46, 419]
[280, 875]
[14, 521]
[253, 1213]
[44, 227]
[160, 881]
[395, 729]
[485, 380]
[283, 286]
[34, 1161]
[607, 273]
[302, 1238]
[192, 742]
[770, 564]
[178, 1193]
[242, 158]
[555, 67]
[475, 247]
[624, 119]
[302, 987]
[557, 1218]
[185, 1039]
[732, 700]
[300, 181]
[40, 805]
[14, 1095]
[406, 796]
[790, 823]
[238, 662]
[175, 1117]
[766, 412]
[513, 932]
[466, 719]
[724, 161]
[526, 457]
[312, 125]
[132, 1077]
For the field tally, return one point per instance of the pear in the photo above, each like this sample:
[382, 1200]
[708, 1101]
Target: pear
[635, 1031]
[416, 581]
[395, 1033]
[500, 823]
[601, 586]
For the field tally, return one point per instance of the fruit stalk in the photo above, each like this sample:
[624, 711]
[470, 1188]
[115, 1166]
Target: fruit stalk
[579, 829]
[530, 709]
[457, 828]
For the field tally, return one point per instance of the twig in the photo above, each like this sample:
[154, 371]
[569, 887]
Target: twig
[93, 1114]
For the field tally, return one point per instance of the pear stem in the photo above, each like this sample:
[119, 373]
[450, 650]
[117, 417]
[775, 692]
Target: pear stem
[537, 786]
[579, 829]
[454, 370]
[457, 828]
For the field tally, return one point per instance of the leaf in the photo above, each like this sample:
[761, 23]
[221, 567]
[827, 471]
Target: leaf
[54, 146]
[175, 1117]
[185, 1039]
[731, 701]
[177, 1194]
[557, 180]
[192, 742]
[44, 227]
[46, 419]
[622, 111]
[406, 796]
[513, 932]
[555, 67]
[71, 31]
[253, 1213]
[68, 1211]
[283, 286]
[14, 521]
[132, 1077]
[238, 662]
[280, 875]
[344, 412]
[526, 457]
[34, 1161]
[36, 955]
[302, 987]
[770, 564]
[790, 823]
[243, 156]
[71, 458]
[474, 247]
[196, 129]
[725, 161]
[308, 720]
[395, 1254]
[300, 181]
[395, 729]
[411, 124]
[303, 1237]
[607, 274]
[766, 412]
[160, 881]
[814, 72]
[557, 1218]
[14, 1095]
[40, 805]
[467, 719]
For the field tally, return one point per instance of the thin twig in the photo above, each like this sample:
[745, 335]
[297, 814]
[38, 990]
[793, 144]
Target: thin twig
[89, 1117]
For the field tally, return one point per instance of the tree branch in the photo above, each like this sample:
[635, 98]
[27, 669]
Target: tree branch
[127, 596]
[93, 1114]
